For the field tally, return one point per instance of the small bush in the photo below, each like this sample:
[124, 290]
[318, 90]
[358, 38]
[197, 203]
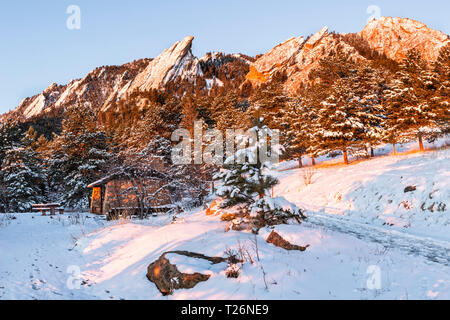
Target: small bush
[308, 175]
[233, 271]
[77, 218]
[236, 258]
[274, 211]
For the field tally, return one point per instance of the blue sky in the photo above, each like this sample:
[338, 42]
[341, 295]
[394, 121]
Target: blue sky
[38, 49]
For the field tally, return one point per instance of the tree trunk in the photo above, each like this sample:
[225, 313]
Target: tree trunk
[345, 156]
[141, 208]
[421, 148]
[393, 147]
[372, 153]
[300, 163]
[313, 160]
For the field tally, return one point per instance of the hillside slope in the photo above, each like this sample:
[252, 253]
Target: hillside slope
[407, 192]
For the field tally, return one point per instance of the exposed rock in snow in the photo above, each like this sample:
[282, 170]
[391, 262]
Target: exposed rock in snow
[277, 240]
[396, 36]
[167, 276]
[213, 82]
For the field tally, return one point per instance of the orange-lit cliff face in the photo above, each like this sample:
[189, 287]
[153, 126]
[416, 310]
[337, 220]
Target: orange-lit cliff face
[396, 36]
[393, 37]
[297, 58]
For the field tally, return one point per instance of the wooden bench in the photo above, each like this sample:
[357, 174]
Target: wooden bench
[48, 207]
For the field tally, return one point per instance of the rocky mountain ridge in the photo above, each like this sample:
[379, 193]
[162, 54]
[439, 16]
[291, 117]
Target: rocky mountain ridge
[294, 58]
[392, 37]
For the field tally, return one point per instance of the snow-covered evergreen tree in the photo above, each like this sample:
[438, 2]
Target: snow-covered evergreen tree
[296, 124]
[80, 155]
[10, 136]
[23, 176]
[269, 211]
[441, 71]
[410, 102]
[233, 185]
[346, 107]
[268, 101]
[245, 175]
[246, 181]
[338, 125]
[369, 86]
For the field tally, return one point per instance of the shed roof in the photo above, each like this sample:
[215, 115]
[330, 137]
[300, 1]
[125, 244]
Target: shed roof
[105, 180]
[152, 173]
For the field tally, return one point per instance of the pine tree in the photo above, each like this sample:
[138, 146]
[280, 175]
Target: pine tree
[268, 101]
[10, 136]
[345, 105]
[313, 96]
[410, 101]
[229, 111]
[441, 70]
[23, 176]
[233, 188]
[341, 127]
[189, 114]
[295, 124]
[369, 86]
[80, 155]
[244, 180]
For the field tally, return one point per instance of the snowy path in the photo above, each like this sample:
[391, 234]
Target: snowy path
[432, 249]
[35, 253]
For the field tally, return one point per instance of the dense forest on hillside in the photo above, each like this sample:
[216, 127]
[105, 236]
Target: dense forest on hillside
[346, 108]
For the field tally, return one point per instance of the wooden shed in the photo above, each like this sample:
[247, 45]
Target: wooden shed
[113, 192]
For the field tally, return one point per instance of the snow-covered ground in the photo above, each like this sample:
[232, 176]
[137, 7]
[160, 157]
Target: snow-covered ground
[78, 256]
[373, 192]
[41, 259]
